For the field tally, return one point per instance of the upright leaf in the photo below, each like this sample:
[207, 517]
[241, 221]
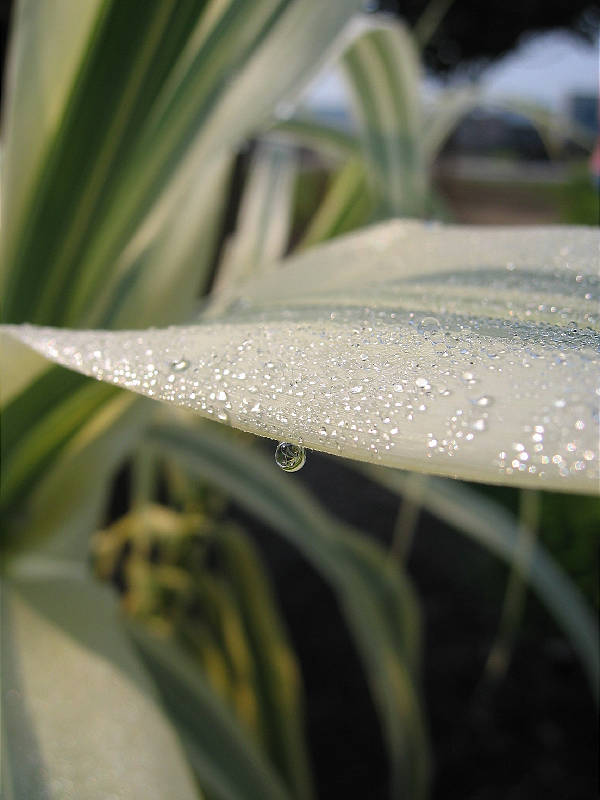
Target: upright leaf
[228, 764]
[264, 219]
[80, 715]
[382, 68]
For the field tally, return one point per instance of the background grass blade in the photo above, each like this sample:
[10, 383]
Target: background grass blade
[374, 594]
[39, 422]
[345, 206]
[383, 74]
[277, 682]
[263, 225]
[227, 763]
[316, 135]
[493, 527]
[199, 582]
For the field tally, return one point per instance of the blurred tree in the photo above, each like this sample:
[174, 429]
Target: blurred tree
[472, 33]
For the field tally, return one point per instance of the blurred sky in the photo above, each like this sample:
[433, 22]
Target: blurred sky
[545, 68]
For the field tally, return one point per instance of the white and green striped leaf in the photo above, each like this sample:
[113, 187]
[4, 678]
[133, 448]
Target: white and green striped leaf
[382, 68]
[264, 219]
[493, 527]
[469, 352]
[185, 84]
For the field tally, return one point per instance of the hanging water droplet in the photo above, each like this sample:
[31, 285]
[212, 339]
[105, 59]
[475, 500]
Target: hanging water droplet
[290, 457]
[180, 365]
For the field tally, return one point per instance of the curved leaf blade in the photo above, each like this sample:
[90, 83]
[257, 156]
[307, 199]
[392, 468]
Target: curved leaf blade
[468, 352]
[489, 524]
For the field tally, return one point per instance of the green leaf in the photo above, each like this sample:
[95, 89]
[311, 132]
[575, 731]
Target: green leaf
[469, 352]
[374, 594]
[226, 616]
[263, 224]
[345, 206]
[61, 440]
[383, 72]
[276, 675]
[80, 715]
[85, 154]
[39, 422]
[489, 524]
[228, 764]
[316, 135]
[37, 90]
[69, 501]
[447, 110]
[183, 233]
[184, 85]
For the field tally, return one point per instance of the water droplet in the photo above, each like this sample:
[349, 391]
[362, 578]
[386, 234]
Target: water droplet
[429, 324]
[485, 401]
[356, 389]
[180, 365]
[480, 425]
[222, 396]
[290, 457]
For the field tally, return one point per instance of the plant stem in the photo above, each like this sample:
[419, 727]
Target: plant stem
[502, 648]
[143, 478]
[408, 517]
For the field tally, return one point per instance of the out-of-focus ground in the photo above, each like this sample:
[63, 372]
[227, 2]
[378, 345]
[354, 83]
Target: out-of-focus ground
[484, 191]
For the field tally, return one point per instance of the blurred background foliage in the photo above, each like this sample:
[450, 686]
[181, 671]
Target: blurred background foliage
[229, 578]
